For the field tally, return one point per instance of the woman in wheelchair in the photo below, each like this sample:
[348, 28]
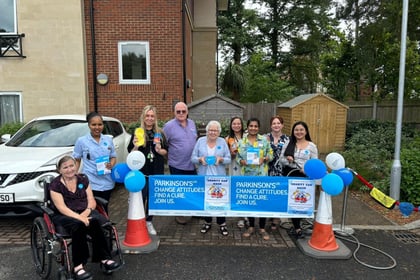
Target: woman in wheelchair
[74, 205]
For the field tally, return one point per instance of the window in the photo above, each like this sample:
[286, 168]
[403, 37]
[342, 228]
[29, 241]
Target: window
[112, 128]
[10, 107]
[8, 17]
[10, 40]
[134, 62]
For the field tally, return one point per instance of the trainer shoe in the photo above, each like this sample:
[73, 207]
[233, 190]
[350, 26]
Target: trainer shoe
[151, 228]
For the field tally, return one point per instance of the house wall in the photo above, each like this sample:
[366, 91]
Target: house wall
[159, 23]
[51, 79]
[205, 48]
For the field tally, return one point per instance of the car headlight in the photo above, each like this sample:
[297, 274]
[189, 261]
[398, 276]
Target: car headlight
[45, 179]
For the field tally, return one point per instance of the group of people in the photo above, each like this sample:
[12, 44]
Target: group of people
[72, 194]
[187, 154]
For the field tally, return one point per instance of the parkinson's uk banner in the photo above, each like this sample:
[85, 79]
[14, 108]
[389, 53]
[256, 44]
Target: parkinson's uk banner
[235, 196]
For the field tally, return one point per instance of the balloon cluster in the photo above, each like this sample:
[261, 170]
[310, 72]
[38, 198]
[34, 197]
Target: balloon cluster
[129, 174]
[332, 183]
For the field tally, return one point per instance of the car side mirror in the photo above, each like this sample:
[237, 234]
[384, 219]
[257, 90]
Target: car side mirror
[5, 138]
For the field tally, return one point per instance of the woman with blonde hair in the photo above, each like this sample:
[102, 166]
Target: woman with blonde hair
[150, 140]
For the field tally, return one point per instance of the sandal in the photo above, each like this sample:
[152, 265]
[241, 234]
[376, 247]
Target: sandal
[224, 231]
[205, 228]
[264, 234]
[109, 266]
[82, 274]
[248, 232]
[241, 223]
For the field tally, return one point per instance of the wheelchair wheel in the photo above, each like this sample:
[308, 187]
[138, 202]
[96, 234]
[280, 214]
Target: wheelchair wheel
[40, 247]
[62, 274]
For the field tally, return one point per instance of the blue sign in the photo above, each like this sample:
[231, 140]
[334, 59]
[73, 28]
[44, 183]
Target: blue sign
[237, 196]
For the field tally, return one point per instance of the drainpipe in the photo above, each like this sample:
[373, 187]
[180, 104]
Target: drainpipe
[184, 71]
[92, 37]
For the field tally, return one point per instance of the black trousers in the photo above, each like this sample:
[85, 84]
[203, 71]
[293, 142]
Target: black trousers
[105, 195]
[219, 220]
[261, 222]
[79, 232]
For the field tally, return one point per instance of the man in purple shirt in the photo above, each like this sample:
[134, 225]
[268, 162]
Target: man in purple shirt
[181, 134]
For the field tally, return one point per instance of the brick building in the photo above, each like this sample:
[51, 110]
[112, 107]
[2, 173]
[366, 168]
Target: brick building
[112, 56]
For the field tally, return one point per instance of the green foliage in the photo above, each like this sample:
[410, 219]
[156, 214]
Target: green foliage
[410, 173]
[233, 80]
[10, 128]
[369, 150]
[263, 83]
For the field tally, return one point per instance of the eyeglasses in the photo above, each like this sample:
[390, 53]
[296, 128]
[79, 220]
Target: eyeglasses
[213, 130]
[181, 111]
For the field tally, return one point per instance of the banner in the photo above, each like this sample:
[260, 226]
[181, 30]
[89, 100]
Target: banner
[233, 196]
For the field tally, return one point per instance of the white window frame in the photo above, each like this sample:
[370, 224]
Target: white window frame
[19, 95]
[14, 21]
[142, 44]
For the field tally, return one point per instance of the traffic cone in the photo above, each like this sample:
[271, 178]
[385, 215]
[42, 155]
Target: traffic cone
[323, 238]
[136, 234]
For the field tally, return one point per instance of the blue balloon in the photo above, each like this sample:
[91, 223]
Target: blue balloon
[134, 181]
[315, 169]
[345, 174]
[119, 172]
[332, 184]
[406, 208]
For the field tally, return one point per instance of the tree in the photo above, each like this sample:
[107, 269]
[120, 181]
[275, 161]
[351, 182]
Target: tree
[237, 27]
[263, 84]
[233, 81]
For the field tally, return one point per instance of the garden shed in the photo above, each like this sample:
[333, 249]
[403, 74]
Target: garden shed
[325, 116]
[214, 107]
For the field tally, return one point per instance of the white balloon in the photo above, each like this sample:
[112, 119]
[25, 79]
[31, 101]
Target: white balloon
[335, 161]
[136, 160]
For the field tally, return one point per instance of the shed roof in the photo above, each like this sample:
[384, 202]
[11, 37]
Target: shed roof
[306, 97]
[213, 96]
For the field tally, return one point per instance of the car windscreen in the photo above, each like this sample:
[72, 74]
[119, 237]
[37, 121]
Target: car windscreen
[49, 133]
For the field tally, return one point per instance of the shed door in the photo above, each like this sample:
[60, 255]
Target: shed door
[321, 119]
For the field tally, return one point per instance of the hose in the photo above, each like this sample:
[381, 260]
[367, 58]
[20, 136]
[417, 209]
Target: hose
[359, 245]
[307, 224]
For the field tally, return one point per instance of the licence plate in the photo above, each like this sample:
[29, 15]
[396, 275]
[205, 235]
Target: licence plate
[7, 198]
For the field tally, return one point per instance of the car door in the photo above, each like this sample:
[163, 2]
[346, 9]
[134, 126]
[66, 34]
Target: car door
[119, 136]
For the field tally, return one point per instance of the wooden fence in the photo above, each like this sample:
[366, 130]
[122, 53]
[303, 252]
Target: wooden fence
[384, 111]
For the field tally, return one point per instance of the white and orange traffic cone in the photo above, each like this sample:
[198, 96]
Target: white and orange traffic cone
[323, 237]
[137, 238]
[323, 244]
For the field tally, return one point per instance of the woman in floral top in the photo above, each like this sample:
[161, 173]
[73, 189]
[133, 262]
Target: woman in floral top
[277, 140]
[254, 154]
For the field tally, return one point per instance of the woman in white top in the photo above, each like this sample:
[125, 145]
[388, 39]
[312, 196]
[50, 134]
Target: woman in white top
[294, 155]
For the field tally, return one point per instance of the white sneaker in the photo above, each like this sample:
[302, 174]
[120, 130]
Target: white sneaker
[151, 228]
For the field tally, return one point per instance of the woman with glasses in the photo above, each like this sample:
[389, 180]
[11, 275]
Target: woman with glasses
[211, 154]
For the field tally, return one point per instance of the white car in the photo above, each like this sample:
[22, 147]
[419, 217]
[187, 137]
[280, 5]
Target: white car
[28, 159]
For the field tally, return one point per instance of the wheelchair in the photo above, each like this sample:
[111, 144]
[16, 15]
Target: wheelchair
[51, 242]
